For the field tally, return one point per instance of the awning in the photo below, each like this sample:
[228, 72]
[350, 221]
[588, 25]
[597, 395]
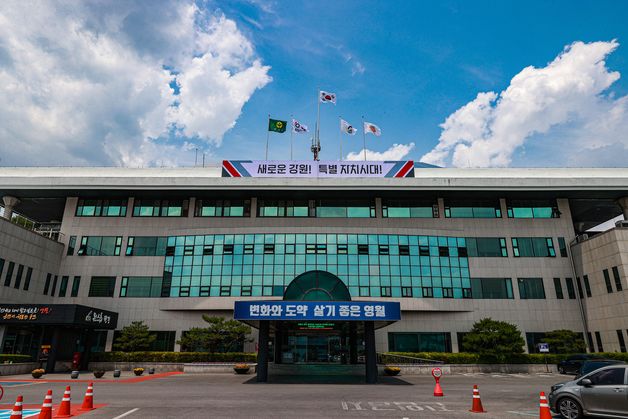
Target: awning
[58, 314]
[382, 313]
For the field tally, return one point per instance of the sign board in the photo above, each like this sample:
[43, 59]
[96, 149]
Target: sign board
[58, 314]
[437, 372]
[317, 310]
[543, 348]
[317, 169]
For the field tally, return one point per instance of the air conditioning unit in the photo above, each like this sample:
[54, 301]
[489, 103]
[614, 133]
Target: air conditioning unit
[582, 237]
[621, 224]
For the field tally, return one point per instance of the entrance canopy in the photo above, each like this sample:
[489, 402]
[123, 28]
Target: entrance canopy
[57, 314]
[382, 313]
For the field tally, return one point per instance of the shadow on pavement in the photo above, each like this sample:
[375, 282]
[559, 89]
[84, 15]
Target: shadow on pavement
[327, 379]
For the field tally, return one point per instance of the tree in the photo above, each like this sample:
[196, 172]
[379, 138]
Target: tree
[134, 337]
[565, 342]
[220, 336]
[494, 340]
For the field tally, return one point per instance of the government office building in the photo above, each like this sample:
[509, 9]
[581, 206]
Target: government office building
[102, 247]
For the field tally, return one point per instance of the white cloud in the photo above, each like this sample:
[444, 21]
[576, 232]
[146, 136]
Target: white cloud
[84, 83]
[559, 111]
[396, 152]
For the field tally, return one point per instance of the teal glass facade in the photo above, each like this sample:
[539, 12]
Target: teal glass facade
[264, 264]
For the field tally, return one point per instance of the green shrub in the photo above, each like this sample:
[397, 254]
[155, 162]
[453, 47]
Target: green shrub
[14, 358]
[176, 357]
[470, 358]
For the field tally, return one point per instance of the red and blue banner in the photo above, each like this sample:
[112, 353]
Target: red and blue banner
[317, 169]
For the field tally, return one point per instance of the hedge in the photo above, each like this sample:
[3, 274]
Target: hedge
[9, 358]
[176, 357]
[471, 358]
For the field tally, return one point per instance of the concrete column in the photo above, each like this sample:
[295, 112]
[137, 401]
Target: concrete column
[353, 343]
[262, 354]
[441, 207]
[9, 204]
[371, 353]
[278, 341]
[3, 330]
[178, 334]
[623, 203]
[109, 341]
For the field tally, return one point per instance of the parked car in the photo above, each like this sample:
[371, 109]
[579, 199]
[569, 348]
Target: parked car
[595, 364]
[572, 364]
[599, 393]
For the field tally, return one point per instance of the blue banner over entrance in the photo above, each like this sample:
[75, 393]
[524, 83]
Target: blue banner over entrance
[317, 310]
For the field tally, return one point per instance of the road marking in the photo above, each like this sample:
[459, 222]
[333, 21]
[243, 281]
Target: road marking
[522, 413]
[403, 406]
[127, 413]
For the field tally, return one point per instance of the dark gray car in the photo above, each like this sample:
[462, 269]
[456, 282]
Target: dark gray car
[601, 393]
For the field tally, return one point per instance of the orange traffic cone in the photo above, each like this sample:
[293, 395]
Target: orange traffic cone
[64, 407]
[438, 390]
[46, 407]
[88, 401]
[16, 413]
[544, 412]
[476, 407]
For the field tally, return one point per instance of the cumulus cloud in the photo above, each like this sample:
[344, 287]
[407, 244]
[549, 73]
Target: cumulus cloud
[396, 152]
[134, 84]
[560, 111]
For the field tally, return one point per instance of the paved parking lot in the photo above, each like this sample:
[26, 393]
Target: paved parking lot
[237, 396]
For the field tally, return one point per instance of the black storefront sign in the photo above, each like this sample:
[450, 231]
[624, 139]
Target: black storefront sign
[58, 314]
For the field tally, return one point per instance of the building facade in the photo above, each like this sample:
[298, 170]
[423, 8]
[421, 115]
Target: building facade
[452, 246]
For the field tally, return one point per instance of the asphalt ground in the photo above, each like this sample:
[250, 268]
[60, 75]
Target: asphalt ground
[239, 396]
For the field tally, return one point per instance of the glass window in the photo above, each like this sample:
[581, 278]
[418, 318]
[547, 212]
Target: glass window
[532, 209]
[608, 377]
[587, 286]
[71, 246]
[607, 280]
[47, 284]
[101, 208]
[1, 265]
[18, 277]
[533, 247]
[54, 285]
[531, 288]
[9, 275]
[100, 246]
[403, 208]
[27, 280]
[141, 286]
[76, 283]
[472, 209]
[579, 285]
[146, 246]
[102, 286]
[617, 278]
[281, 208]
[160, 208]
[571, 291]
[491, 288]
[562, 246]
[345, 208]
[223, 208]
[598, 338]
[64, 286]
[622, 342]
[486, 247]
[420, 342]
[558, 288]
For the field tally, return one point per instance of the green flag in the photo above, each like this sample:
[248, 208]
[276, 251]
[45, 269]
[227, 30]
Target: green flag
[277, 125]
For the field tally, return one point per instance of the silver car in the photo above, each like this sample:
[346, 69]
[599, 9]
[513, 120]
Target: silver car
[601, 393]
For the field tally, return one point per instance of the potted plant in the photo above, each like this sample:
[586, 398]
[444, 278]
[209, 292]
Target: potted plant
[38, 372]
[391, 370]
[241, 368]
[98, 373]
[116, 373]
[138, 371]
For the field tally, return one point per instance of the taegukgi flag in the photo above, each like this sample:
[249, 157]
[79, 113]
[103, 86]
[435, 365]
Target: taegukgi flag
[372, 129]
[298, 127]
[347, 128]
[327, 97]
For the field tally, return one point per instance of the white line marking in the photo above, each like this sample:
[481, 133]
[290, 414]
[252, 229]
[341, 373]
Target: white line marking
[127, 413]
[522, 413]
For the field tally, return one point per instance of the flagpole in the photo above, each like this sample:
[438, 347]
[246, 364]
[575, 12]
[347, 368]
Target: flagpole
[340, 137]
[364, 137]
[267, 136]
[291, 133]
[318, 114]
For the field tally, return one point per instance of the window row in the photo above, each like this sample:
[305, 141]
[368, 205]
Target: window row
[50, 286]
[324, 208]
[20, 273]
[616, 280]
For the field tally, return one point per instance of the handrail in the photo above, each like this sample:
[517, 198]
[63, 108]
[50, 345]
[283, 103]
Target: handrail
[385, 358]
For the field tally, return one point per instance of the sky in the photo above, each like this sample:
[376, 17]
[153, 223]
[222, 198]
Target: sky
[450, 83]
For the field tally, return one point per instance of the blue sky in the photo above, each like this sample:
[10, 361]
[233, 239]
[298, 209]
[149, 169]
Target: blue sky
[99, 95]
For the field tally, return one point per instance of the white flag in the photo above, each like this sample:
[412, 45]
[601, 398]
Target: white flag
[347, 128]
[298, 128]
[327, 97]
[372, 129]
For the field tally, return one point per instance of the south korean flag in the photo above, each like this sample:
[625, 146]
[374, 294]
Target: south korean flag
[327, 97]
[298, 128]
